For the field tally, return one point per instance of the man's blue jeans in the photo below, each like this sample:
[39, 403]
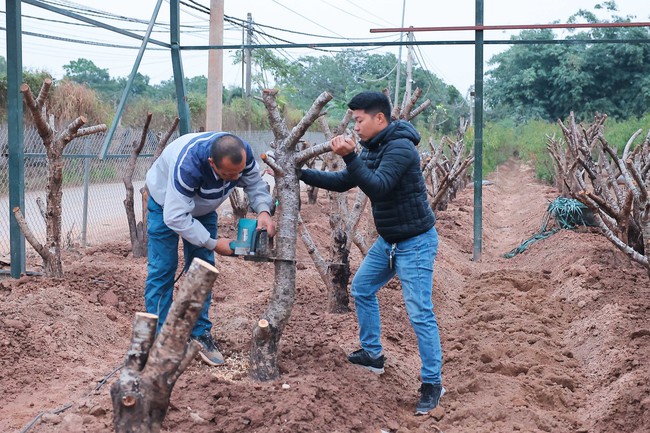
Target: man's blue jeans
[413, 262]
[163, 261]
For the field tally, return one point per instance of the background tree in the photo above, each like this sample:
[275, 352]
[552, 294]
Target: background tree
[84, 71]
[54, 142]
[547, 81]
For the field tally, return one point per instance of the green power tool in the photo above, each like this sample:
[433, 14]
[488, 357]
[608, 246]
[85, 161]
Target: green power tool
[252, 243]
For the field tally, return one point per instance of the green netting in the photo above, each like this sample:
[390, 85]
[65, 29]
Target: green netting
[566, 213]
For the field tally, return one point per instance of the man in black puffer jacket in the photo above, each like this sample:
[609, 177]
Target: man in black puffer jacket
[388, 172]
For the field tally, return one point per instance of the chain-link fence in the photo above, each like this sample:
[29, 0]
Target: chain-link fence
[92, 209]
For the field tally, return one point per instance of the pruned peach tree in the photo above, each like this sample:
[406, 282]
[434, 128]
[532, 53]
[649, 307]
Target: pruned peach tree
[284, 160]
[612, 180]
[447, 167]
[55, 143]
[138, 230]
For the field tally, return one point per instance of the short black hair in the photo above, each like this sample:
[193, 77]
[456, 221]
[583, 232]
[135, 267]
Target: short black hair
[372, 103]
[227, 146]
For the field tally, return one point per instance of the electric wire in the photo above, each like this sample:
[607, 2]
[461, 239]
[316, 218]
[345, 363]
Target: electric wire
[86, 42]
[86, 11]
[304, 33]
[310, 20]
[374, 80]
[350, 13]
[370, 13]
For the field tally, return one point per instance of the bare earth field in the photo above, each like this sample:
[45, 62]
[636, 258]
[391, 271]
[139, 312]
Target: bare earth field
[556, 339]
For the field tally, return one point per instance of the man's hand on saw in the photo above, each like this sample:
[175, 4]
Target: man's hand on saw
[264, 221]
[223, 247]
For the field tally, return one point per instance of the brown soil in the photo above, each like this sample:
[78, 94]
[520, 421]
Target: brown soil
[556, 339]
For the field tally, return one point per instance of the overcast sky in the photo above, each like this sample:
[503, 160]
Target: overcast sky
[338, 20]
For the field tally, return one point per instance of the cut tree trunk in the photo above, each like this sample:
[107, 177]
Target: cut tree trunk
[153, 364]
[283, 161]
[136, 230]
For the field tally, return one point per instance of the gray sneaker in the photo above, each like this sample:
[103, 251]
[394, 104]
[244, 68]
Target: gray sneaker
[209, 352]
[430, 394]
[362, 358]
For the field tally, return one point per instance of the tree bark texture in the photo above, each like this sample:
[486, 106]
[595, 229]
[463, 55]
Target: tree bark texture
[284, 162]
[153, 364]
[136, 230]
[239, 204]
[615, 188]
[54, 142]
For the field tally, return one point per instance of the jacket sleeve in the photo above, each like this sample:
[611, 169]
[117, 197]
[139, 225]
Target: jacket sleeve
[395, 161]
[339, 181]
[177, 215]
[254, 186]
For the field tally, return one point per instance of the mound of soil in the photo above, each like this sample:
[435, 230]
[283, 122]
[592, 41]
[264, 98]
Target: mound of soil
[556, 339]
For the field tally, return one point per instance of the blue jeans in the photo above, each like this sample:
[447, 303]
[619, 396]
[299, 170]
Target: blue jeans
[163, 261]
[413, 263]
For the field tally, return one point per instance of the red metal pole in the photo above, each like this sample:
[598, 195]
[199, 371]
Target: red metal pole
[510, 27]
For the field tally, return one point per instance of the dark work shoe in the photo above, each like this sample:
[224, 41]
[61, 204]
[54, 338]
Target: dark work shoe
[429, 397]
[209, 350]
[362, 358]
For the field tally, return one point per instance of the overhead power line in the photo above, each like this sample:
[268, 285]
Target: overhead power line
[84, 42]
[302, 16]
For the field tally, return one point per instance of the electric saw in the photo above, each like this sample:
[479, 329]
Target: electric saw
[252, 243]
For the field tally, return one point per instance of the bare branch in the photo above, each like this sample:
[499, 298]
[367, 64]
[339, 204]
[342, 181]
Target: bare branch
[42, 126]
[620, 244]
[312, 249]
[29, 236]
[143, 137]
[326, 128]
[311, 152]
[360, 241]
[626, 151]
[408, 105]
[45, 90]
[340, 129]
[312, 114]
[41, 208]
[89, 131]
[642, 189]
[426, 104]
[165, 138]
[278, 125]
[270, 161]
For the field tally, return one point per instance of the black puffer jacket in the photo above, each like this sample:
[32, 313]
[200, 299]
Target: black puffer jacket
[388, 171]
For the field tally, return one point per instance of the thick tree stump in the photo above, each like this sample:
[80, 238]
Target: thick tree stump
[154, 364]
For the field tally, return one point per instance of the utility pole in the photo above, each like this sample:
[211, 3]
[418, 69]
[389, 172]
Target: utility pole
[399, 58]
[409, 70]
[214, 105]
[247, 51]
